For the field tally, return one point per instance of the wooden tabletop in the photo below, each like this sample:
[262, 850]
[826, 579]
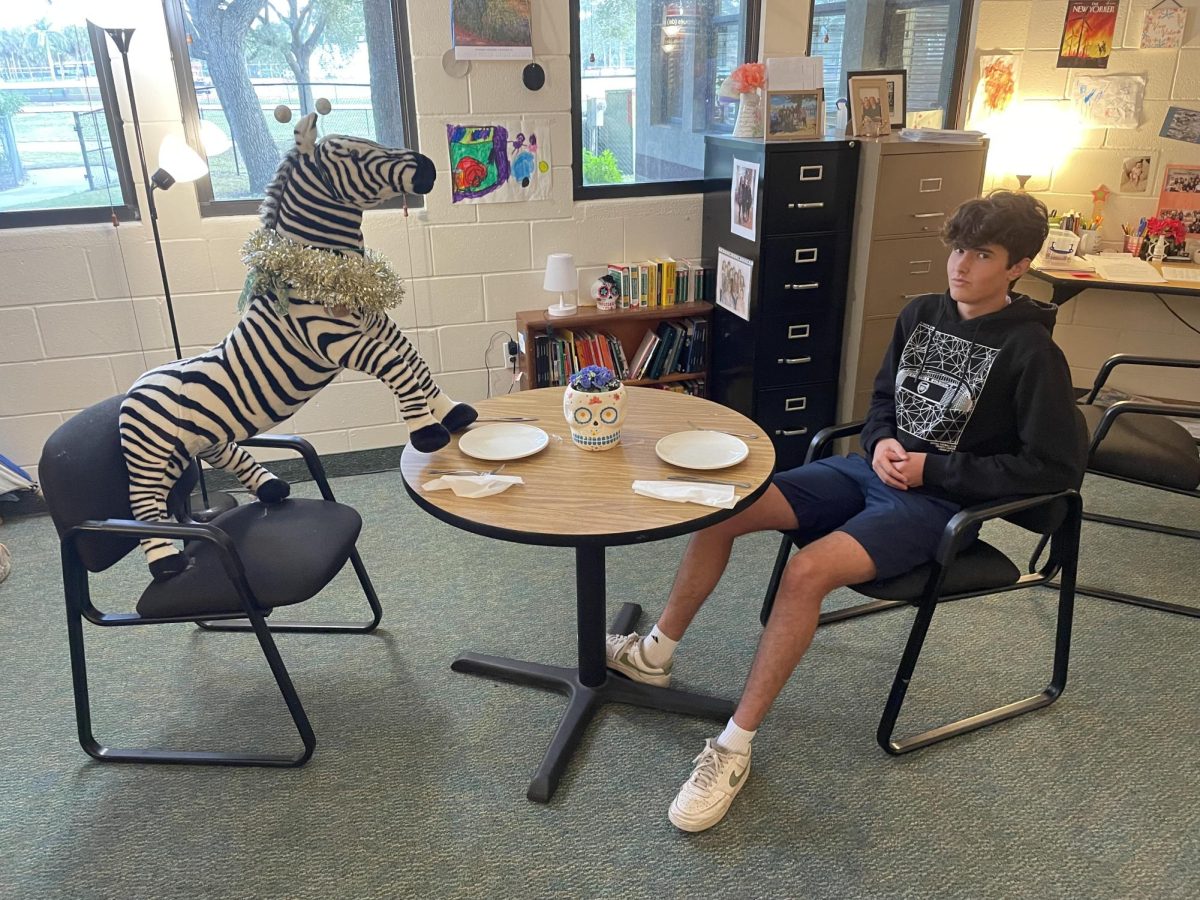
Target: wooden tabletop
[572, 497]
[1068, 284]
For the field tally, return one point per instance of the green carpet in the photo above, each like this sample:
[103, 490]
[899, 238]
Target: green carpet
[417, 787]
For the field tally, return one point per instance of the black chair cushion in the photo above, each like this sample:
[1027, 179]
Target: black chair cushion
[1145, 447]
[980, 567]
[290, 551]
[83, 476]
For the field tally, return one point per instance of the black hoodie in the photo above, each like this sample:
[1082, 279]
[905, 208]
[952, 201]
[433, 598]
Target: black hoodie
[989, 399]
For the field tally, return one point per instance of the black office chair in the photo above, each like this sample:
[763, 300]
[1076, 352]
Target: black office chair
[1139, 443]
[964, 566]
[244, 563]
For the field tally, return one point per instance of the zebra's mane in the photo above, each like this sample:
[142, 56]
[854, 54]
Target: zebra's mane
[268, 212]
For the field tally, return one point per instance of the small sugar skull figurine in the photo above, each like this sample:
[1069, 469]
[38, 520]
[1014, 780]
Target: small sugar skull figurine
[594, 405]
[605, 292]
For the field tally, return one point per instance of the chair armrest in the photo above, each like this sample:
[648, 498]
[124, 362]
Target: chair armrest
[1129, 359]
[187, 531]
[298, 445]
[818, 447]
[954, 537]
[1125, 407]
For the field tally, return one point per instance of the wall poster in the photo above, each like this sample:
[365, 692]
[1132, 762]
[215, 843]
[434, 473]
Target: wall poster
[1087, 36]
[1107, 101]
[503, 161]
[1162, 28]
[491, 29]
[1180, 196]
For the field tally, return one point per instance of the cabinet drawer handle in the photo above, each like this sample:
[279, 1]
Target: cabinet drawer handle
[806, 258]
[806, 286]
[913, 265]
[818, 205]
[790, 432]
[794, 361]
[935, 184]
[795, 404]
[797, 331]
[938, 215]
[811, 173]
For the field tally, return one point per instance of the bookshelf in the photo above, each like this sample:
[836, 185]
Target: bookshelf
[629, 326]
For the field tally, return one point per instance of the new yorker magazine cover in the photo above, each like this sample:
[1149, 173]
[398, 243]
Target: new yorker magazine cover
[1088, 34]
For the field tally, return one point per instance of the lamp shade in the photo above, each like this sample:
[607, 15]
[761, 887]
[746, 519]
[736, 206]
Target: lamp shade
[181, 161]
[560, 273]
[213, 139]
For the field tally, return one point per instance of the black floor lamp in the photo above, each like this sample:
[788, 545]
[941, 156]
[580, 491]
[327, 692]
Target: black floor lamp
[186, 166]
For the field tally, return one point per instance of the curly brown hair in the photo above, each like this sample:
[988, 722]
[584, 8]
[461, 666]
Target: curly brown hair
[1015, 221]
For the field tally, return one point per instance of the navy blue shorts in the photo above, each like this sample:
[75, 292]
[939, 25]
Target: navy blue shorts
[900, 530]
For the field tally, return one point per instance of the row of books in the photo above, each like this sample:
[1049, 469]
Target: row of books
[677, 346]
[663, 282]
[693, 386]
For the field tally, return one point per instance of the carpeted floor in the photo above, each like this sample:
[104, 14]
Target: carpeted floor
[418, 782]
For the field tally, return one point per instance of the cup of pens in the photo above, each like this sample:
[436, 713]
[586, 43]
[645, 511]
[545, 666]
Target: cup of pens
[1131, 244]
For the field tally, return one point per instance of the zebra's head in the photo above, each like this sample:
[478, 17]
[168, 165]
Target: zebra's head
[360, 172]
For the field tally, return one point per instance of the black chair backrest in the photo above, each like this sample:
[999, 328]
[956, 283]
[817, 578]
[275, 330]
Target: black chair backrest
[83, 476]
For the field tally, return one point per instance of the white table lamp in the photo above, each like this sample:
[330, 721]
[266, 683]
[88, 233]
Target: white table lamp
[562, 277]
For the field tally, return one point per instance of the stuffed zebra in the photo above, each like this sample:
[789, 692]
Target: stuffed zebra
[313, 305]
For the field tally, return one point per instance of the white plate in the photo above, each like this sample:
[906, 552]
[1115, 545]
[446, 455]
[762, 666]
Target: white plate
[504, 440]
[701, 449]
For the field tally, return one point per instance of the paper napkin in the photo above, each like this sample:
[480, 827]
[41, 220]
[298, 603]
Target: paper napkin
[473, 485]
[719, 495]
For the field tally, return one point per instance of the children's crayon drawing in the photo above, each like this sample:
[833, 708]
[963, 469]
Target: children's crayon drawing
[1108, 101]
[501, 162]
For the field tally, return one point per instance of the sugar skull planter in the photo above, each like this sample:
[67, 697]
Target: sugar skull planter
[594, 405]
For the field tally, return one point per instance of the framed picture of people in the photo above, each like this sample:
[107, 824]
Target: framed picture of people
[795, 115]
[870, 115]
[734, 274]
[897, 92]
[743, 198]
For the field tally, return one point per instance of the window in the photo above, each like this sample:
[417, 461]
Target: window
[645, 88]
[62, 155]
[924, 37]
[237, 62]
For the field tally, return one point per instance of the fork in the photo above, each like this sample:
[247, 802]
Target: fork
[463, 471]
[698, 480]
[749, 437]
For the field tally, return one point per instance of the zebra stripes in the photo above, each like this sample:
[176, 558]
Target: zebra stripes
[271, 364]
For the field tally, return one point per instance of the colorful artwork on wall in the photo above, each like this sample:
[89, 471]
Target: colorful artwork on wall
[998, 76]
[1108, 101]
[491, 29]
[1162, 28]
[500, 162]
[1087, 36]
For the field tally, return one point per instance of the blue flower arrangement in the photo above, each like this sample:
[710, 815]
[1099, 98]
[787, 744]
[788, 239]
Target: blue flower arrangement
[594, 380]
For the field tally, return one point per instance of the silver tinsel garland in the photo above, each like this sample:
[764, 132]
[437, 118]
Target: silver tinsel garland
[289, 269]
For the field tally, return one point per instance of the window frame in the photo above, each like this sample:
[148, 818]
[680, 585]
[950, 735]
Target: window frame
[127, 210]
[190, 108]
[644, 188]
[953, 113]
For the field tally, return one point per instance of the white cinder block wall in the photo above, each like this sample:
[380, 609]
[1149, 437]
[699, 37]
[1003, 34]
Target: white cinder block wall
[81, 309]
[1098, 324]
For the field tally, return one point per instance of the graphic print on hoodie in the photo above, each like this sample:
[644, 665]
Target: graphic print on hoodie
[938, 382]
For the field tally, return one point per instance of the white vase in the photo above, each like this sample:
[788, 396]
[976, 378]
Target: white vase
[749, 122]
[595, 418]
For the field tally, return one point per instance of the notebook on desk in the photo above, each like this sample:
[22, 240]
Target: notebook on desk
[1127, 268]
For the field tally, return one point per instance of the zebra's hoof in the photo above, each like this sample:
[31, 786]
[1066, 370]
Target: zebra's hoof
[168, 566]
[273, 491]
[459, 417]
[430, 438]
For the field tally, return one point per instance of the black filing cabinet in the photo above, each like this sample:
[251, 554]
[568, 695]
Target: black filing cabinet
[781, 367]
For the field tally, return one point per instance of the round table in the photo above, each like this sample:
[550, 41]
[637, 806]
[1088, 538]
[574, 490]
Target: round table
[575, 498]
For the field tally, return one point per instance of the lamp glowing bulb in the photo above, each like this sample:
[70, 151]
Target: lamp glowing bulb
[213, 139]
[179, 160]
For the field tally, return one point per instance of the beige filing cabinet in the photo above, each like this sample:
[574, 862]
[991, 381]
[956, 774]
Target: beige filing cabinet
[907, 189]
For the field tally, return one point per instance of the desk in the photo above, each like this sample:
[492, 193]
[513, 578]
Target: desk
[575, 498]
[1066, 286]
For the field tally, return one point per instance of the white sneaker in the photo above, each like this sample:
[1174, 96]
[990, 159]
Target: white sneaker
[623, 653]
[705, 797]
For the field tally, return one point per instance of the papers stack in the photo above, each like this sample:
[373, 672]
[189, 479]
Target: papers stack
[1127, 268]
[944, 135]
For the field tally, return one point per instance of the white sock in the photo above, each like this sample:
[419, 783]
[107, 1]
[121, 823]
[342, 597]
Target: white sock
[657, 648]
[735, 739]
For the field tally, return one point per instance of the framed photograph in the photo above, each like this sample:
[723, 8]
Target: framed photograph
[870, 115]
[1136, 172]
[743, 198]
[897, 92]
[733, 283]
[795, 115]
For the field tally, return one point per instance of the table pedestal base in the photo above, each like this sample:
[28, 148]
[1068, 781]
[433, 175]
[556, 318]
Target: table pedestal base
[584, 700]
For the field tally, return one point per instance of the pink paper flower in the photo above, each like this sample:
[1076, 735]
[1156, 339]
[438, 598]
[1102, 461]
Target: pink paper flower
[749, 77]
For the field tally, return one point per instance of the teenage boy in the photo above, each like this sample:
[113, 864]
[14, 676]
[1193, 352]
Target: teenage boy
[973, 403]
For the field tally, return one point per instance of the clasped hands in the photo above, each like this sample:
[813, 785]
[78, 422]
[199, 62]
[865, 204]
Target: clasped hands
[896, 467]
